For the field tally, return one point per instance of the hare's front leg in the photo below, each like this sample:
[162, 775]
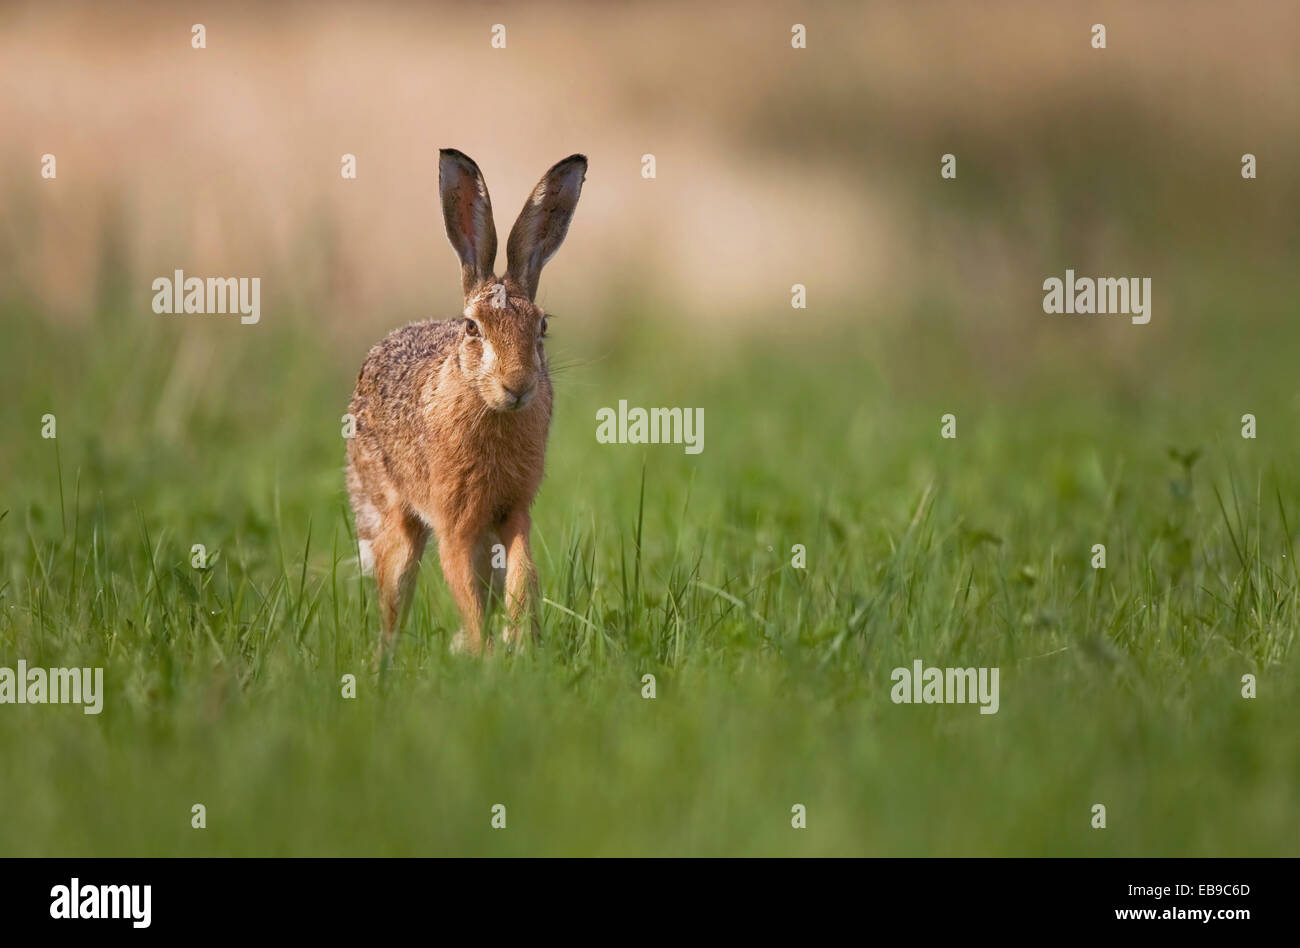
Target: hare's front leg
[460, 557]
[522, 598]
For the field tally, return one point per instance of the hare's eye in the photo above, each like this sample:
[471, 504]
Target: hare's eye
[542, 331]
[471, 329]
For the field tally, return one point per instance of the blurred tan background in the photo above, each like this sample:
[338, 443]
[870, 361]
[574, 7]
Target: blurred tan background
[775, 165]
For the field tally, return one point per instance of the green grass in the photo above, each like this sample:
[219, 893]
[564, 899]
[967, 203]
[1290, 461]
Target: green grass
[1119, 686]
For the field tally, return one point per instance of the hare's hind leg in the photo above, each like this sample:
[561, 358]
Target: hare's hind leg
[396, 549]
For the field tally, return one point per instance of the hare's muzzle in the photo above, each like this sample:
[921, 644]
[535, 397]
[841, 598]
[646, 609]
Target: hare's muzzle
[518, 397]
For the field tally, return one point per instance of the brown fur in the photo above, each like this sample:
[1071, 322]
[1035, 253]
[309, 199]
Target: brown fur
[451, 425]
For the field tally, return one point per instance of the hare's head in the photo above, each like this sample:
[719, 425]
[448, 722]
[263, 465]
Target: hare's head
[500, 349]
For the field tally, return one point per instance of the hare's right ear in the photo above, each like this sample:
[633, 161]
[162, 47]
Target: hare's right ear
[467, 211]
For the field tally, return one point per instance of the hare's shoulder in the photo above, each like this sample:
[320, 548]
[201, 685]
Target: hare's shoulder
[431, 340]
[411, 347]
[395, 367]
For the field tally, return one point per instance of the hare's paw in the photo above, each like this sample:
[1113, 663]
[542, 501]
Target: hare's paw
[517, 636]
[462, 643]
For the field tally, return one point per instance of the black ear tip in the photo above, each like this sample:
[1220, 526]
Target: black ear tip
[455, 157]
[573, 161]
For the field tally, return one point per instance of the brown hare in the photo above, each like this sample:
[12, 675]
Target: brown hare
[451, 417]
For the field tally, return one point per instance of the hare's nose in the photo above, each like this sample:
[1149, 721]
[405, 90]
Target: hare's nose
[519, 394]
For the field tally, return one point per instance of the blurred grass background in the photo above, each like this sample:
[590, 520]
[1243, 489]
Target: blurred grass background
[776, 166]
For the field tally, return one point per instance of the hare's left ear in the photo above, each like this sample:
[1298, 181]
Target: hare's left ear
[543, 222]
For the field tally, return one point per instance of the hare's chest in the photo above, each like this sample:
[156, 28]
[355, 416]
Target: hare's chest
[483, 471]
